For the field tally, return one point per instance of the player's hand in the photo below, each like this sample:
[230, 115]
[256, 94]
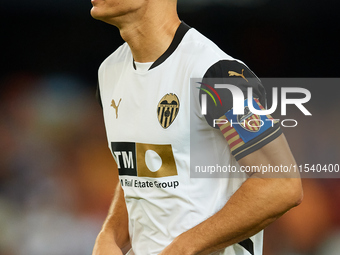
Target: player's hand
[105, 245]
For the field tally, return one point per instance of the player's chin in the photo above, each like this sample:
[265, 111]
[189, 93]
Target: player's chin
[96, 13]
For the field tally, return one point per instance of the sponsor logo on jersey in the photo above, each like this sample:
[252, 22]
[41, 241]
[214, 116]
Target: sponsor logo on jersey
[144, 160]
[249, 121]
[167, 109]
[233, 73]
[113, 104]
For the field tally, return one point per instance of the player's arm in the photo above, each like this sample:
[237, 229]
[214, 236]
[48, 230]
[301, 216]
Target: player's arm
[257, 203]
[261, 199]
[113, 238]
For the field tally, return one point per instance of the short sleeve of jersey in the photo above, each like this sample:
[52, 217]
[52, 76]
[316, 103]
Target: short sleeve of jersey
[244, 133]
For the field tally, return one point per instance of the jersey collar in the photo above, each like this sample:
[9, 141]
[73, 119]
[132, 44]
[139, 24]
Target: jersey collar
[181, 31]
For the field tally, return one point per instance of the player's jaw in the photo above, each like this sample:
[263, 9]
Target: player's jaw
[111, 10]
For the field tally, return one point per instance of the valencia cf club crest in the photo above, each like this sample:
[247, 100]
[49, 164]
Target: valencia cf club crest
[249, 121]
[167, 110]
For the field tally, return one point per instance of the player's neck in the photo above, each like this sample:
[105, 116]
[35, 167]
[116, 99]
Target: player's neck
[150, 38]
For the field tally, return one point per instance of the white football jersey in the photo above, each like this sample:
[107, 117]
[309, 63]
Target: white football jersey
[150, 115]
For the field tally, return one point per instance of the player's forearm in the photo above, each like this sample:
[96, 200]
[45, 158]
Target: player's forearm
[116, 223]
[255, 205]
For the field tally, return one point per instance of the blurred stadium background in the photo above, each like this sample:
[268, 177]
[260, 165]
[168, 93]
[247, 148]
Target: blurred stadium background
[56, 172]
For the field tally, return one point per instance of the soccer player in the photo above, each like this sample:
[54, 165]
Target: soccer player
[150, 111]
